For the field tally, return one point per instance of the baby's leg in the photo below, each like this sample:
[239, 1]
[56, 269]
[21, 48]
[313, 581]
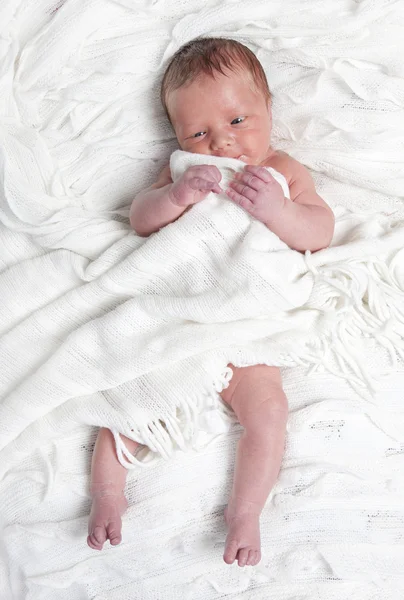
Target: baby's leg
[257, 398]
[108, 479]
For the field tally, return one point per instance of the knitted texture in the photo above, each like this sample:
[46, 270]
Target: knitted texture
[156, 331]
[100, 327]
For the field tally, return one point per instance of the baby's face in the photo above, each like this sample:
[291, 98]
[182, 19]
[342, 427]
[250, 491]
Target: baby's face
[224, 116]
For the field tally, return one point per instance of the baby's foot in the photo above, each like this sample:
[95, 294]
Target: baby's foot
[105, 520]
[243, 539]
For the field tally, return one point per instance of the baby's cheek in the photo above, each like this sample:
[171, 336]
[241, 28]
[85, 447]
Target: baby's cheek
[253, 144]
[202, 147]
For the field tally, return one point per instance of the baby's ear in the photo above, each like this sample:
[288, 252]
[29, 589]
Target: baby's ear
[269, 104]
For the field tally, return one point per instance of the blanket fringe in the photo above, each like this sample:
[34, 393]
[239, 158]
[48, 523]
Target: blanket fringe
[365, 299]
[176, 431]
[370, 301]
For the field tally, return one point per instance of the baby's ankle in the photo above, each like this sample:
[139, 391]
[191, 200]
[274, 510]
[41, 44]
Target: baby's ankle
[238, 507]
[102, 490]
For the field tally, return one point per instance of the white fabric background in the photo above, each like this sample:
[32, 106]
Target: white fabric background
[82, 127]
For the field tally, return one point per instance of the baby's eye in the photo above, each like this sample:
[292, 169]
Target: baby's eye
[198, 134]
[237, 120]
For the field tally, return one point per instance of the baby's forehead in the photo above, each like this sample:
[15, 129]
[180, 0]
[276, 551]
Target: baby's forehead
[242, 77]
[237, 73]
[210, 95]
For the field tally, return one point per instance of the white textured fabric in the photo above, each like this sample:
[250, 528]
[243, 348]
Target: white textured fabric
[81, 132]
[154, 333]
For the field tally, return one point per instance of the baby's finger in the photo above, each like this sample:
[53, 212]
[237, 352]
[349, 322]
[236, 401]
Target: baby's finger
[251, 180]
[259, 172]
[239, 199]
[244, 190]
[217, 189]
[199, 183]
[214, 173]
[208, 172]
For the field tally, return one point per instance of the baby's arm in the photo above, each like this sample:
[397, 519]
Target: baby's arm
[305, 222]
[152, 208]
[165, 201]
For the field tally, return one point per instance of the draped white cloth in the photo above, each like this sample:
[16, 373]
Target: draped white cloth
[84, 339]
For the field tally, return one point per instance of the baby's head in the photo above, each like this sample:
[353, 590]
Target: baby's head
[216, 96]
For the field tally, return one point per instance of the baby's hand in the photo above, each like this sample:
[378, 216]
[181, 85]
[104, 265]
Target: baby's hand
[195, 184]
[258, 193]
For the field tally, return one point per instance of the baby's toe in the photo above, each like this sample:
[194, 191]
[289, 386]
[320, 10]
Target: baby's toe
[242, 557]
[114, 533]
[93, 543]
[99, 535]
[230, 552]
[254, 557]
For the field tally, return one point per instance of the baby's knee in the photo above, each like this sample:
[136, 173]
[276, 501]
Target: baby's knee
[251, 381]
[270, 407]
[264, 407]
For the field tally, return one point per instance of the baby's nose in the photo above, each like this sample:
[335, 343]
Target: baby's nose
[221, 141]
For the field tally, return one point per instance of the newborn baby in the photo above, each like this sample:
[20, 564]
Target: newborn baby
[216, 96]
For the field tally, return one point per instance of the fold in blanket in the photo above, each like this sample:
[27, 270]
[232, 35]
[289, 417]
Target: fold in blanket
[154, 332]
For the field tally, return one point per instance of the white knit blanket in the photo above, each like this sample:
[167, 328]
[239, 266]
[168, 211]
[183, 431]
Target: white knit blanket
[155, 331]
[100, 327]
